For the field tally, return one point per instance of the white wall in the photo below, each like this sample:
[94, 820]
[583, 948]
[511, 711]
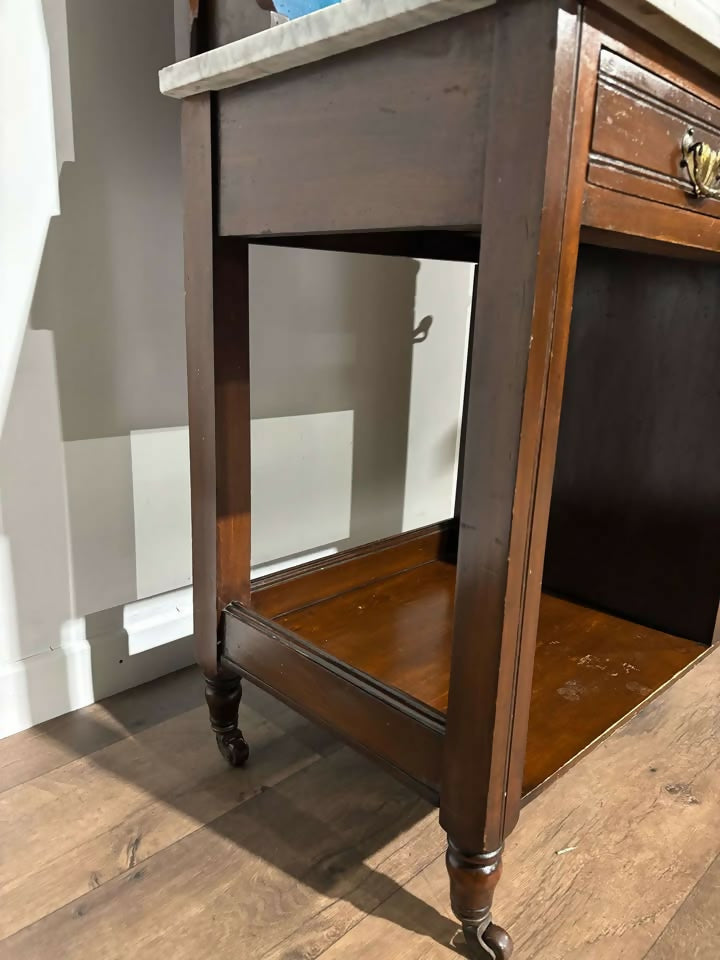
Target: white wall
[347, 398]
[28, 173]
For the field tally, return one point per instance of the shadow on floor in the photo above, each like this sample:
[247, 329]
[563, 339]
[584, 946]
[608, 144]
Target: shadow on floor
[320, 824]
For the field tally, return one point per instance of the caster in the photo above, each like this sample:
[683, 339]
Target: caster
[487, 942]
[233, 748]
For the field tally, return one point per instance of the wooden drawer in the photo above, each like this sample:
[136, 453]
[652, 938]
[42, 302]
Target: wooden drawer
[413, 107]
[640, 120]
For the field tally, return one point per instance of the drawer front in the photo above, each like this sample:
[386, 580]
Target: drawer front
[640, 121]
[388, 136]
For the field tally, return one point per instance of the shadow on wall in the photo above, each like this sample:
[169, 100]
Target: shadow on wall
[111, 286]
[103, 362]
[111, 292]
[356, 396]
[331, 344]
[357, 372]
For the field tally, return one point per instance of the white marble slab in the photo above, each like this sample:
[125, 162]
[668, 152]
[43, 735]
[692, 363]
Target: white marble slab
[691, 26]
[335, 29]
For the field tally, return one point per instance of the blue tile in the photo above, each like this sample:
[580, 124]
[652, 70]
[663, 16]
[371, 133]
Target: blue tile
[298, 8]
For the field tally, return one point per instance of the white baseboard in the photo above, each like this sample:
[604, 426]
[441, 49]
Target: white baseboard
[158, 620]
[98, 656]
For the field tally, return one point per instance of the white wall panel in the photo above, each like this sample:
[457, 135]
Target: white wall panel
[160, 469]
[301, 483]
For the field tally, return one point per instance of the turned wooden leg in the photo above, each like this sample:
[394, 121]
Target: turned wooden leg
[222, 694]
[473, 878]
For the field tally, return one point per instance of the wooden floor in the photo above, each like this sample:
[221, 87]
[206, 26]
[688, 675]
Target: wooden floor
[123, 835]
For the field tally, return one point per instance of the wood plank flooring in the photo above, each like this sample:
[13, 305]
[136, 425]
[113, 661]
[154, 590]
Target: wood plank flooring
[123, 834]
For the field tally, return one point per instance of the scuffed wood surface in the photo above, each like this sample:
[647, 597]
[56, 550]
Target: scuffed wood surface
[694, 931]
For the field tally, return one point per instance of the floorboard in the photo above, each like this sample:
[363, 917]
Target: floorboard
[54, 743]
[694, 931]
[94, 818]
[148, 846]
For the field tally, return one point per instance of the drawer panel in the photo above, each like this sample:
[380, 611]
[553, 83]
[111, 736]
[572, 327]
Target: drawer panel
[388, 136]
[640, 121]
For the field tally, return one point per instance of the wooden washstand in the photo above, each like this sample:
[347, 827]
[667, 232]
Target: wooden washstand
[568, 150]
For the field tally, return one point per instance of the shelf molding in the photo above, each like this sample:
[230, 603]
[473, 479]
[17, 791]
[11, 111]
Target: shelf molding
[404, 733]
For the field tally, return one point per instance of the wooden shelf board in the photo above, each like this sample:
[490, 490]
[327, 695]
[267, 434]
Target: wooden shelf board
[591, 669]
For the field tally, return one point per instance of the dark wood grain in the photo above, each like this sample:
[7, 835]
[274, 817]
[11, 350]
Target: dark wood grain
[657, 248]
[635, 519]
[198, 237]
[523, 212]
[217, 318]
[591, 668]
[424, 244]
[473, 879]
[630, 216]
[556, 341]
[640, 122]
[222, 696]
[647, 97]
[395, 729]
[300, 586]
[606, 30]
[397, 629]
[533, 122]
[465, 405]
[232, 419]
[414, 109]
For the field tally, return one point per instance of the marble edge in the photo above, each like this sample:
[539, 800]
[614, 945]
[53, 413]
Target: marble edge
[332, 30]
[690, 26]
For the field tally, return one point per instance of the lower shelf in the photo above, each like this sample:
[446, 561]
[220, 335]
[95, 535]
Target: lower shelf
[591, 669]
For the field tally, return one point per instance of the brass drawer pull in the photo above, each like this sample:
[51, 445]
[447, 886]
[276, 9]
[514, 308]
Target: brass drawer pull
[702, 164]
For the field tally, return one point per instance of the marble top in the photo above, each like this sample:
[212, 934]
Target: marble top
[692, 26]
[335, 29]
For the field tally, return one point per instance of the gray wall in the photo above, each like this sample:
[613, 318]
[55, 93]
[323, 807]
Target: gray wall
[353, 410]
